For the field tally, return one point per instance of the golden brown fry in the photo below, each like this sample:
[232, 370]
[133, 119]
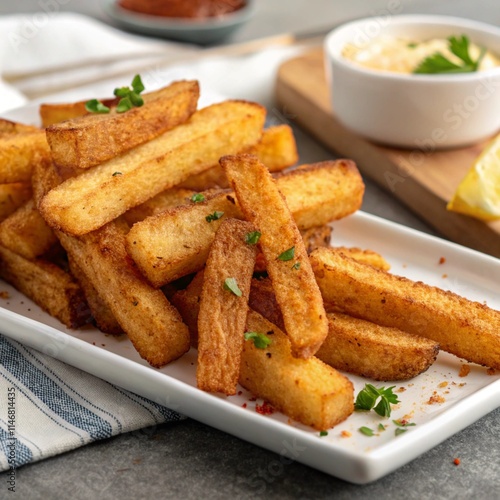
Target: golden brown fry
[170, 198]
[26, 233]
[102, 316]
[223, 310]
[51, 113]
[315, 237]
[165, 250]
[89, 140]
[277, 150]
[337, 183]
[86, 202]
[53, 289]
[378, 352]
[355, 345]
[12, 196]
[19, 152]
[8, 127]
[469, 330]
[366, 256]
[153, 325]
[306, 390]
[284, 251]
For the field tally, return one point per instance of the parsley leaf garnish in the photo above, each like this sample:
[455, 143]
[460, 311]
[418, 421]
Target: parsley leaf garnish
[287, 254]
[231, 285]
[402, 426]
[260, 340]
[95, 106]
[252, 238]
[129, 97]
[197, 198]
[367, 400]
[366, 431]
[323, 433]
[215, 216]
[438, 63]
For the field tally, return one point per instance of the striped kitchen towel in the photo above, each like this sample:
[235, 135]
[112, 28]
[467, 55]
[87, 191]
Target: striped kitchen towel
[48, 407]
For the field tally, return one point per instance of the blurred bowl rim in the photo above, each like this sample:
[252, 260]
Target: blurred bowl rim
[181, 24]
[334, 50]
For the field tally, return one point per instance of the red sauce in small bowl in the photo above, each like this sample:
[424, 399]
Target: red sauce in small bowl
[192, 9]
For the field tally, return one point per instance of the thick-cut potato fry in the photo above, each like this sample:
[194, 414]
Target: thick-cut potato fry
[378, 352]
[12, 196]
[49, 286]
[366, 256]
[286, 257]
[169, 198]
[51, 113]
[98, 195]
[176, 242]
[306, 390]
[8, 127]
[223, 310]
[469, 330]
[277, 150]
[89, 140]
[19, 152]
[153, 325]
[338, 183]
[355, 345]
[26, 233]
[102, 316]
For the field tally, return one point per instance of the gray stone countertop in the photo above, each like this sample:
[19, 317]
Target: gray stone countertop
[188, 459]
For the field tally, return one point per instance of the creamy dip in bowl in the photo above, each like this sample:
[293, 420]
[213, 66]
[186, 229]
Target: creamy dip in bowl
[376, 93]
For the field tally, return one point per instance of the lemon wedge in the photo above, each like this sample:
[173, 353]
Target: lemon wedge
[478, 194]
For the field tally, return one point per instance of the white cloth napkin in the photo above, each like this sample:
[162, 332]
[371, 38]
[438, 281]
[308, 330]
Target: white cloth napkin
[42, 51]
[55, 407]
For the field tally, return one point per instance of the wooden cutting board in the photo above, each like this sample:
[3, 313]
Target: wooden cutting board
[422, 179]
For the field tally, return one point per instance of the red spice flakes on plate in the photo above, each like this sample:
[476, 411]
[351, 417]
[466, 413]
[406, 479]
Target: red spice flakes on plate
[456, 461]
[435, 399]
[244, 405]
[345, 434]
[442, 260]
[464, 371]
[264, 409]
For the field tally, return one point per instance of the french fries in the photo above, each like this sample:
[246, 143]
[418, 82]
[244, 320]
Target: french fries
[223, 307]
[12, 196]
[26, 233]
[135, 203]
[46, 284]
[284, 251]
[357, 346]
[306, 390]
[277, 150]
[165, 250]
[18, 153]
[89, 140]
[51, 113]
[84, 203]
[469, 330]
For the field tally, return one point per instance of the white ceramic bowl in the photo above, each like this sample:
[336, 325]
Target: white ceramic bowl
[414, 111]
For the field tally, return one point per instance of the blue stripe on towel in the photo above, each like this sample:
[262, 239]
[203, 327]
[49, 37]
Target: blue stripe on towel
[51, 394]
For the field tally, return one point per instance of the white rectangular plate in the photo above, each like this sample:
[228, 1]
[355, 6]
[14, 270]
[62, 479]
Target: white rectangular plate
[344, 452]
